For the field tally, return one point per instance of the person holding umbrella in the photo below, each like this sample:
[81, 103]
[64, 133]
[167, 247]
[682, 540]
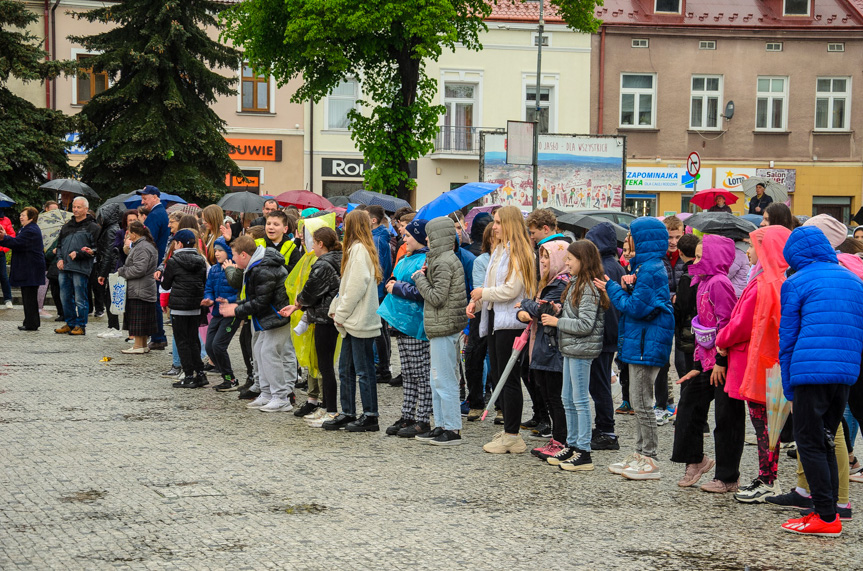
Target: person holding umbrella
[28, 264]
[759, 203]
[719, 205]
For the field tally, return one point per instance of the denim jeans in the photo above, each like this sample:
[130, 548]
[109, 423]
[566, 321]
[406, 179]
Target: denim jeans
[576, 402]
[357, 362]
[444, 382]
[73, 289]
[4, 279]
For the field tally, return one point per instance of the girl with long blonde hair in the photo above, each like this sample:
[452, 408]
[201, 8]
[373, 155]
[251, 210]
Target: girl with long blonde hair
[509, 278]
[214, 217]
[354, 312]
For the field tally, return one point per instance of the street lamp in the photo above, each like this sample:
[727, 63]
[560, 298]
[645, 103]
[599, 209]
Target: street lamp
[537, 110]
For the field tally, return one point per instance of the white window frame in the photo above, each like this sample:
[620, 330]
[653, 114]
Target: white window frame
[679, 8]
[271, 84]
[770, 96]
[785, 9]
[358, 95]
[705, 94]
[836, 47]
[455, 136]
[768, 44]
[846, 120]
[535, 35]
[550, 82]
[707, 44]
[82, 52]
[636, 92]
[637, 43]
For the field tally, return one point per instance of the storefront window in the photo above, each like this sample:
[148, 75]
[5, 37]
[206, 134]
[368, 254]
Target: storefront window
[839, 207]
[640, 204]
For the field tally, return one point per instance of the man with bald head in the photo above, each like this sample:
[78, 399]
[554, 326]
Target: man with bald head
[76, 253]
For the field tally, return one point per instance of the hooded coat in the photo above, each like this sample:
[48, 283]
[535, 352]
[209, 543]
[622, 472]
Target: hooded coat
[544, 352]
[442, 286]
[477, 229]
[716, 298]
[109, 255]
[604, 237]
[820, 334]
[381, 237]
[738, 273]
[752, 333]
[321, 287]
[185, 275]
[646, 326]
[217, 285]
[403, 307]
[263, 293]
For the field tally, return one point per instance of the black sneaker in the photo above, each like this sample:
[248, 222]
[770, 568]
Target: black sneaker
[414, 429]
[172, 372]
[99, 313]
[562, 456]
[792, 453]
[603, 441]
[430, 435]
[307, 408]
[398, 425]
[293, 398]
[339, 422]
[187, 383]
[791, 500]
[363, 424]
[543, 431]
[446, 438]
[384, 378]
[396, 381]
[201, 379]
[227, 385]
[498, 417]
[529, 424]
[301, 384]
[580, 461]
[844, 513]
[248, 394]
[209, 368]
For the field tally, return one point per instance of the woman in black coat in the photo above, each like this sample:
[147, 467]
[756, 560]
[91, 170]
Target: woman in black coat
[28, 265]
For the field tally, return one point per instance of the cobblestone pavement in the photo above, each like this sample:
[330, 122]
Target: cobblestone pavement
[104, 465]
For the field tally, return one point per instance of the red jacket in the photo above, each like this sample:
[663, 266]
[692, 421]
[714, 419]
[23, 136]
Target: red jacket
[7, 226]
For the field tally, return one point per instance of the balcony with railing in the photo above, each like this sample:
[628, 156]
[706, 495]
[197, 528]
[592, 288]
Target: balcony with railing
[458, 140]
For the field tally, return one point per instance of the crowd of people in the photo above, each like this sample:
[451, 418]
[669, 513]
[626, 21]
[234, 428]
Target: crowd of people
[731, 313]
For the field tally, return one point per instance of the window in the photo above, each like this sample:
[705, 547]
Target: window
[832, 102]
[546, 39]
[255, 91]
[458, 131]
[837, 47]
[839, 207]
[340, 101]
[704, 101]
[637, 99]
[530, 114]
[667, 6]
[796, 8]
[640, 43]
[774, 46]
[89, 83]
[707, 45]
[770, 108]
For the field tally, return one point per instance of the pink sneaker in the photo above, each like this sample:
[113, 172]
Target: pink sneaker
[550, 449]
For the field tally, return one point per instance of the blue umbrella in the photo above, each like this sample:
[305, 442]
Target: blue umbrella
[449, 202]
[5, 201]
[754, 218]
[135, 200]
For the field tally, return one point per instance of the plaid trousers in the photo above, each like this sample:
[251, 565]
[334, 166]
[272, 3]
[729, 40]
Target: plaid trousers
[414, 357]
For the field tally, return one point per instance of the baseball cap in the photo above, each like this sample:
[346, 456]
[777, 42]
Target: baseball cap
[186, 237]
[149, 189]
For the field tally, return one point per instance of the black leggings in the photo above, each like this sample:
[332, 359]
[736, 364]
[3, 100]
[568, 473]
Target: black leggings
[246, 346]
[550, 384]
[499, 350]
[326, 338]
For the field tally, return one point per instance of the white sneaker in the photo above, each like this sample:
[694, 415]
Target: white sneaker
[319, 423]
[9, 304]
[663, 417]
[316, 414]
[646, 469]
[629, 462]
[110, 334]
[277, 405]
[258, 402]
[45, 315]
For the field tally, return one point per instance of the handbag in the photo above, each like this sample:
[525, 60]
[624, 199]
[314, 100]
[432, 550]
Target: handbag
[117, 287]
[705, 337]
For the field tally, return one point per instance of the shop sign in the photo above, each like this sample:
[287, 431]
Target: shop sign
[787, 177]
[733, 178]
[252, 181]
[255, 150]
[666, 179]
[351, 168]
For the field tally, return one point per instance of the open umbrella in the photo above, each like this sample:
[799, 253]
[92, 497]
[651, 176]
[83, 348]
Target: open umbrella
[707, 198]
[71, 186]
[5, 201]
[50, 223]
[385, 201]
[242, 201]
[754, 218]
[721, 223]
[340, 200]
[517, 346]
[121, 198]
[303, 199]
[580, 221]
[135, 200]
[449, 202]
[773, 189]
[192, 209]
[476, 211]
[778, 407]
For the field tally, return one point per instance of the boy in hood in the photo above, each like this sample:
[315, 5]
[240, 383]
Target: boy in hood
[221, 329]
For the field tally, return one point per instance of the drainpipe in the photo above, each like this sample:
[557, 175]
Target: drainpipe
[601, 95]
[311, 145]
[47, 56]
[53, 49]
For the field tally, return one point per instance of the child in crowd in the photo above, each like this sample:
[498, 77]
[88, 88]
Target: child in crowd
[646, 331]
[354, 311]
[628, 252]
[664, 407]
[403, 310]
[476, 347]
[580, 328]
[546, 362]
[185, 275]
[685, 307]
[442, 285]
[251, 389]
[221, 329]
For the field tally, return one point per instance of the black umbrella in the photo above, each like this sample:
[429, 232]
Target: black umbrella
[721, 223]
[577, 220]
[339, 200]
[242, 201]
[385, 201]
[71, 186]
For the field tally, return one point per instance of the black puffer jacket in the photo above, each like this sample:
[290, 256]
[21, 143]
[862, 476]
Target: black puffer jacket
[321, 287]
[185, 275]
[108, 255]
[265, 293]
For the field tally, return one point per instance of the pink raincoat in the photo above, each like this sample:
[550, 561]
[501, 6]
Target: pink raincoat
[716, 297]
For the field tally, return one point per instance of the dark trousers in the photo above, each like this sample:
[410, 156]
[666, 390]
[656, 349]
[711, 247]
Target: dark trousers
[97, 301]
[683, 362]
[382, 346]
[246, 346]
[54, 286]
[474, 358]
[623, 379]
[818, 410]
[540, 412]
[113, 320]
[600, 392]
[550, 384]
[4, 279]
[660, 387]
[220, 331]
[188, 343]
[30, 298]
[692, 410]
[326, 338]
[499, 350]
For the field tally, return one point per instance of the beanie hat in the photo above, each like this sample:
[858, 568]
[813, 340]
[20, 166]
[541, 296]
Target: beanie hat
[835, 231]
[417, 229]
[185, 237]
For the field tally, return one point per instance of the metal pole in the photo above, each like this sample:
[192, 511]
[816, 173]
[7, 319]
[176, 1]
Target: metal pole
[536, 115]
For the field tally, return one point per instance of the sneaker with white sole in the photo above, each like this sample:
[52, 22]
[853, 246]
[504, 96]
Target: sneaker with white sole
[111, 334]
[277, 405]
[9, 304]
[663, 416]
[316, 414]
[258, 402]
[319, 422]
[646, 469]
[629, 462]
[757, 492]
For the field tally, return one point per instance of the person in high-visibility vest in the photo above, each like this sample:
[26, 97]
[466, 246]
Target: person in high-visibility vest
[279, 237]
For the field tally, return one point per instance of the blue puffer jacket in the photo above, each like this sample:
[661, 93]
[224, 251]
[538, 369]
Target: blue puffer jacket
[381, 237]
[646, 326]
[821, 334]
[217, 282]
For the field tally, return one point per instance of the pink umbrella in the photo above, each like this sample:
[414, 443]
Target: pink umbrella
[303, 199]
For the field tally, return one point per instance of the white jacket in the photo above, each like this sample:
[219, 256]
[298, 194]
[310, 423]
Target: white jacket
[355, 308]
[500, 294]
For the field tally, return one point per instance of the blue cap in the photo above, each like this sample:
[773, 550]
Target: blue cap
[417, 229]
[149, 189]
[185, 237]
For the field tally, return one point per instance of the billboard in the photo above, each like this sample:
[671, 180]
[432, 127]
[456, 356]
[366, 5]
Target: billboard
[575, 172]
[659, 179]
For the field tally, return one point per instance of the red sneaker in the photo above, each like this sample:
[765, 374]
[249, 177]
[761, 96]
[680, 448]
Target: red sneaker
[550, 449]
[812, 524]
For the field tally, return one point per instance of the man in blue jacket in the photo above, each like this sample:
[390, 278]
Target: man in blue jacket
[820, 341]
[381, 236]
[157, 224]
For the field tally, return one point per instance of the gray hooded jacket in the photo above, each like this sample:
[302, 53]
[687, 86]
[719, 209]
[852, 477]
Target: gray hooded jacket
[580, 328]
[442, 286]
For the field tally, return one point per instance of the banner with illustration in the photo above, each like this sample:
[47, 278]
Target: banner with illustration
[575, 172]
